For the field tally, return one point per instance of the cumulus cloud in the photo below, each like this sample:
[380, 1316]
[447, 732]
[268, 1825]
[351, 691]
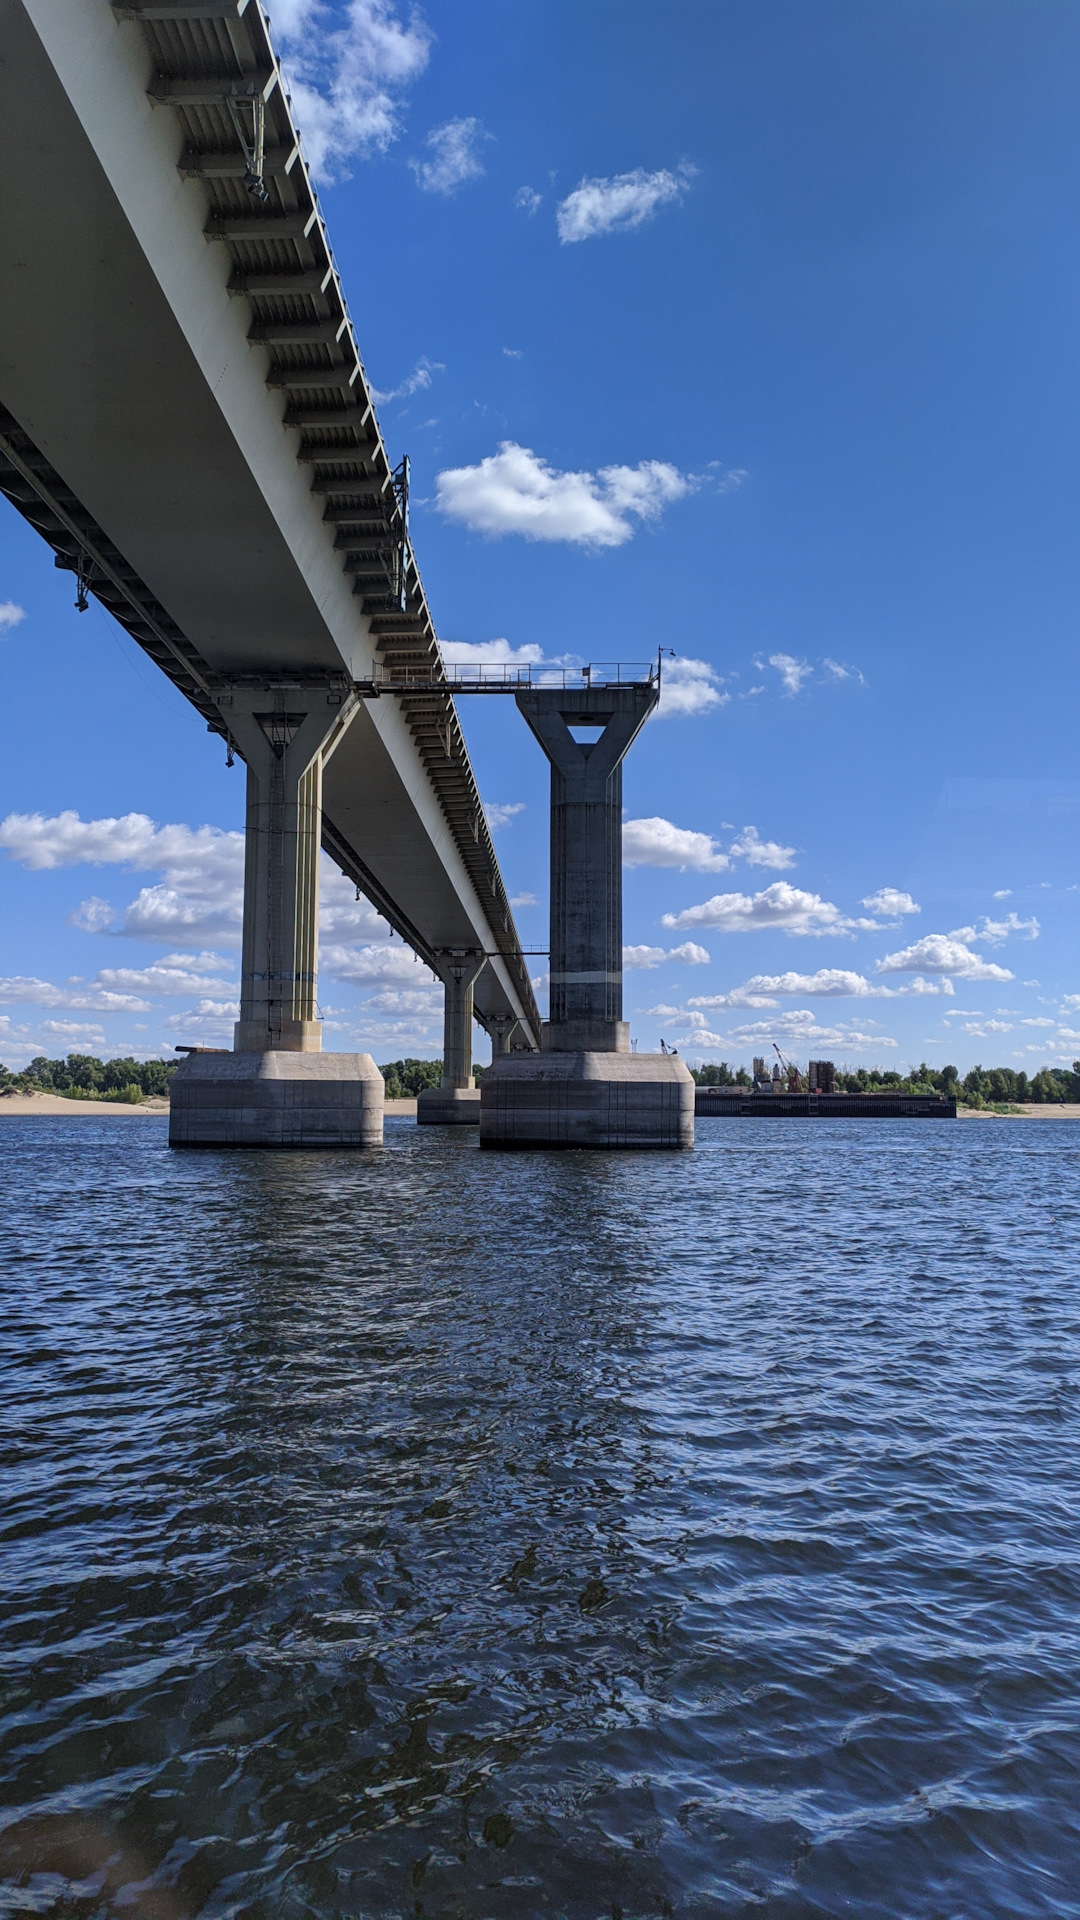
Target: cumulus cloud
[762, 853]
[688, 955]
[26, 990]
[944, 953]
[199, 899]
[689, 686]
[374, 965]
[490, 653]
[498, 814]
[454, 157]
[797, 1029]
[207, 1023]
[995, 931]
[10, 615]
[348, 67]
[177, 973]
[524, 900]
[616, 205]
[657, 843]
[890, 901]
[527, 200]
[515, 491]
[785, 908]
[764, 989]
[415, 382]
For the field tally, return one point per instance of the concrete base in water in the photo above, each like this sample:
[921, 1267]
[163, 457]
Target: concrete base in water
[587, 1100]
[448, 1107]
[276, 1100]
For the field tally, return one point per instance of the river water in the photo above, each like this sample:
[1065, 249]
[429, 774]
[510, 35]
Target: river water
[436, 1533]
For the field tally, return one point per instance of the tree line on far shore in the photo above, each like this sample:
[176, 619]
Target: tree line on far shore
[83, 1077]
[982, 1087]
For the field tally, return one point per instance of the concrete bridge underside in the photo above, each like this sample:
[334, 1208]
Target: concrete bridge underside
[185, 418]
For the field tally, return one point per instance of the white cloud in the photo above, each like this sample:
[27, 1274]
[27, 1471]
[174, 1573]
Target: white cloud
[763, 989]
[689, 686]
[792, 672]
[614, 206]
[415, 382]
[800, 1028]
[524, 900]
[762, 853]
[347, 68]
[73, 1034]
[373, 964]
[783, 907]
[657, 843]
[199, 900]
[454, 157]
[499, 814]
[1003, 893]
[200, 897]
[209, 1022]
[995, 931]
[528, 201]
[890, 901]
[177, 973]
[25, 990]
[514, 491]
[688, 955]
[10, 615]
[943, 953]
[425, 1001]
[490, 653]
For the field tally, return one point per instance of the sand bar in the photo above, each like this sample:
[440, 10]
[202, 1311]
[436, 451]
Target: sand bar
[43, 1104]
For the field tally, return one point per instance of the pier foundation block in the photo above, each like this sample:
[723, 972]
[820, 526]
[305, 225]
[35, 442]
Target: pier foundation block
[448, 1107]
[276, 1099]
[587, 1100]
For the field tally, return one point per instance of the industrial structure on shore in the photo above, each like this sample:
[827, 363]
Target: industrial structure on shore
[185, 418]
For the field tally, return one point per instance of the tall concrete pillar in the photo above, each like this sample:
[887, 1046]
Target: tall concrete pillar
[277, 1088]
[501, 1026]
[585, 1003]
[457, 1101]
[586, 1088]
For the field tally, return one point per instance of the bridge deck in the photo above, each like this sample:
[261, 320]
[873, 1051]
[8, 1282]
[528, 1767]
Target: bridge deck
[188, 423]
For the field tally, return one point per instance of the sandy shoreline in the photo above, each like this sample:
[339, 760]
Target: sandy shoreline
[1066, 1112]
[21, 1104]
[42, 1104]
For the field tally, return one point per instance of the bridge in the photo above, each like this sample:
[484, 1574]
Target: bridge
[185, 418]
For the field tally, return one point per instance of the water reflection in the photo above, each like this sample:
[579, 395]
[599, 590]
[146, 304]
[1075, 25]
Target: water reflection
[433, 1533]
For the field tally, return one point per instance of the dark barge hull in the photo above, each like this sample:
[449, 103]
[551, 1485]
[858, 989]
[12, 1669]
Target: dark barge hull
[724, 1101]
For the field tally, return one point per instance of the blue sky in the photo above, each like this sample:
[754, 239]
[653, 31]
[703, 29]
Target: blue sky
[743, 329]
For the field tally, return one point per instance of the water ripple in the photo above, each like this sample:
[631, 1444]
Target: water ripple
[429, 1533]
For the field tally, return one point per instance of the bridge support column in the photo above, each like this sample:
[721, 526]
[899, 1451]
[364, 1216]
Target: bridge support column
[500, 1026]
[586, 1088]
[456, 1103]
[277, 1088]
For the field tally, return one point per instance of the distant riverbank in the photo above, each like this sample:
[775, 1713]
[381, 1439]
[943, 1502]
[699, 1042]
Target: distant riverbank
[54, 1103]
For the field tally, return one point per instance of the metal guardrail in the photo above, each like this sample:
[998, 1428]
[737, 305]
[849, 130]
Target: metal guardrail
[462, 677]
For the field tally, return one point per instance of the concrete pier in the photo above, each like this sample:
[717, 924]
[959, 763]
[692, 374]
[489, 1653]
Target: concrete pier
[456, 1103]
[276, 1099]
[586, 1088]
[277, 1088]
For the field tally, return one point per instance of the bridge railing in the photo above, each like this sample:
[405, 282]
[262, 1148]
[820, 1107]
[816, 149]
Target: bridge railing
[504, 677]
